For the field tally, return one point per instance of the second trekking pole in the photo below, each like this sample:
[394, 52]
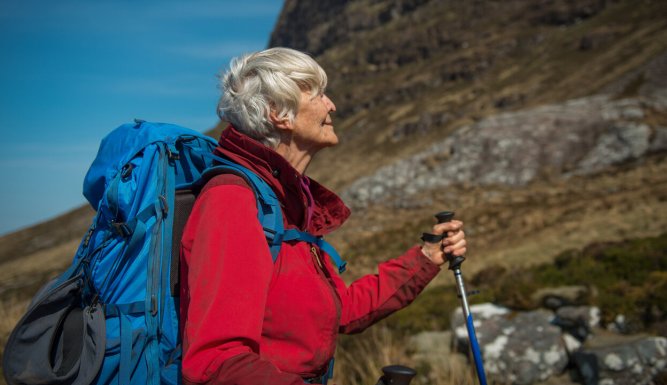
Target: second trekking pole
[455, 265]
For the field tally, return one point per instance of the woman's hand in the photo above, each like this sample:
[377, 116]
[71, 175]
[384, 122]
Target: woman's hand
[454, 243]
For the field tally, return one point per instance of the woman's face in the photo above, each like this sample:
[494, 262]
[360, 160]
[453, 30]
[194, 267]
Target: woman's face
[312, 124]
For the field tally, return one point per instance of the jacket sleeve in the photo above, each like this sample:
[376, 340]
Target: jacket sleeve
[375, 296]
[227, 271]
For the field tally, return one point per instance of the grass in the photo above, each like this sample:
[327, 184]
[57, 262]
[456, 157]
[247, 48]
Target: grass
[12, 308]
[629, 277]
[430, 311]
[20, 278]
[360, 358]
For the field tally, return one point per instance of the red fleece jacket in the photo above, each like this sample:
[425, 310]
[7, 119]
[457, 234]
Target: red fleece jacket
[250, 321]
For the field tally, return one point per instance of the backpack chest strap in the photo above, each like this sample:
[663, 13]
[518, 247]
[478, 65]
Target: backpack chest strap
[297, 235]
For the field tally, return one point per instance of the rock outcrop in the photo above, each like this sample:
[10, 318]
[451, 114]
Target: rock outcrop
[579, 137]
[523, 348]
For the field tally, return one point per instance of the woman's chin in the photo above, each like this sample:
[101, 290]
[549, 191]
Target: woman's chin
[332, 141]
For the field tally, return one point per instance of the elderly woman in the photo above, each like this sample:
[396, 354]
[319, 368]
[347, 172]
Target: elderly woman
[248, 320]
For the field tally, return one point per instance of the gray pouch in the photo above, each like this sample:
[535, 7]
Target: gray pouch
[60, 339]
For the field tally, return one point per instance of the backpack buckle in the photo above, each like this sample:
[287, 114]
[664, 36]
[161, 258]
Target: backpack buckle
[121, 228]
[89, 235]
[272, 236]
[126, 171]
[173, 153]
[164, 206]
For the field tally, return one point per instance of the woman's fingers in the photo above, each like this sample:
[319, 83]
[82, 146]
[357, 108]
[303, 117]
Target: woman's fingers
[453, 237]
[458, 248]
[451, 226]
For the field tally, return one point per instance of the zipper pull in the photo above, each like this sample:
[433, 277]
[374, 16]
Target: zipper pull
[316, 255]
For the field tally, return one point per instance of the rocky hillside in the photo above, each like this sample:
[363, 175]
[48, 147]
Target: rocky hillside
[542, 123]
[406, 72]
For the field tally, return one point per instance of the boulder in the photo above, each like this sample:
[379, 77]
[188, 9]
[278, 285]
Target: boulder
[589, 315]
[556, 297]
[517, 348]
[577, 321]
[635, 362]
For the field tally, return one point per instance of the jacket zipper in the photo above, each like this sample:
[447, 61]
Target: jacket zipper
[321, 271]
[316, 256]
[334, 294]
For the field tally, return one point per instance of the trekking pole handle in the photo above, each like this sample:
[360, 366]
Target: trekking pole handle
[396, 375]
[443, 217]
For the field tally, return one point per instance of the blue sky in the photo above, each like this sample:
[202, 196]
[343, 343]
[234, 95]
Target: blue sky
[72, 70]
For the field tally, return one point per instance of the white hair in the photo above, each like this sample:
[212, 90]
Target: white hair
[267, 80]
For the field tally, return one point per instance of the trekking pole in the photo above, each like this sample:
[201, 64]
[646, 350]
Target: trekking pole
[455, 265]
[396, 375]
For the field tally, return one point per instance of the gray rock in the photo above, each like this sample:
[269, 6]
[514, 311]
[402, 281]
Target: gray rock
[579, 137]
[621, 142]
[588, 316]
[619, 325]
[556, 297]
[631, 363]
[480, 313]
[659, 142]
[520, 349]
[632, 113]
[576, 321]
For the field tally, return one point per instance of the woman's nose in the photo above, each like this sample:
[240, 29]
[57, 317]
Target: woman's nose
[329, 104]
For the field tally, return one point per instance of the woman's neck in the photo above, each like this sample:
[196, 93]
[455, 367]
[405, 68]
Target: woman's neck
[298, 158]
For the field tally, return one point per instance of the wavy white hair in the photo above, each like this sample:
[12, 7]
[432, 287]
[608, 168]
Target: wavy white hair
[267, 80]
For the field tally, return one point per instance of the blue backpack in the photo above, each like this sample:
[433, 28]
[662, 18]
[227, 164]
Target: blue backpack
[112, 317]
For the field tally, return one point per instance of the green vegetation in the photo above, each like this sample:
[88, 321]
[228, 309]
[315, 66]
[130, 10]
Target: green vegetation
[430, 311]
[627, 277]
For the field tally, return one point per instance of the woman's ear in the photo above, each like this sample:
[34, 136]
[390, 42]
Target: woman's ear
[282, 123]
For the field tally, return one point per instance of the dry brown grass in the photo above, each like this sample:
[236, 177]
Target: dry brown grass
[12, 309]
[360, 359]
[21, 277]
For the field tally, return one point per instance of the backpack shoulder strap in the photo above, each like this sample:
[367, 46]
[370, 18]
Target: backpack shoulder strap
[269, 213]
[225, 180]
[294, 235]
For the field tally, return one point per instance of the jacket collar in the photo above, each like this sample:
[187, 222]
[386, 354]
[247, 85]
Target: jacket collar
[329, 211]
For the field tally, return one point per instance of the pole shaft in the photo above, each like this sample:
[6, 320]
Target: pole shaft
[472, 337]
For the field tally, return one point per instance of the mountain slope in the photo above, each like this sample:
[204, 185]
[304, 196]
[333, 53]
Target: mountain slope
[541, 123]
[404, 73]
[434, 88]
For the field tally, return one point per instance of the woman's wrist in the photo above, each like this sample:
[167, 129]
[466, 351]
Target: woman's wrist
[432, 255]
